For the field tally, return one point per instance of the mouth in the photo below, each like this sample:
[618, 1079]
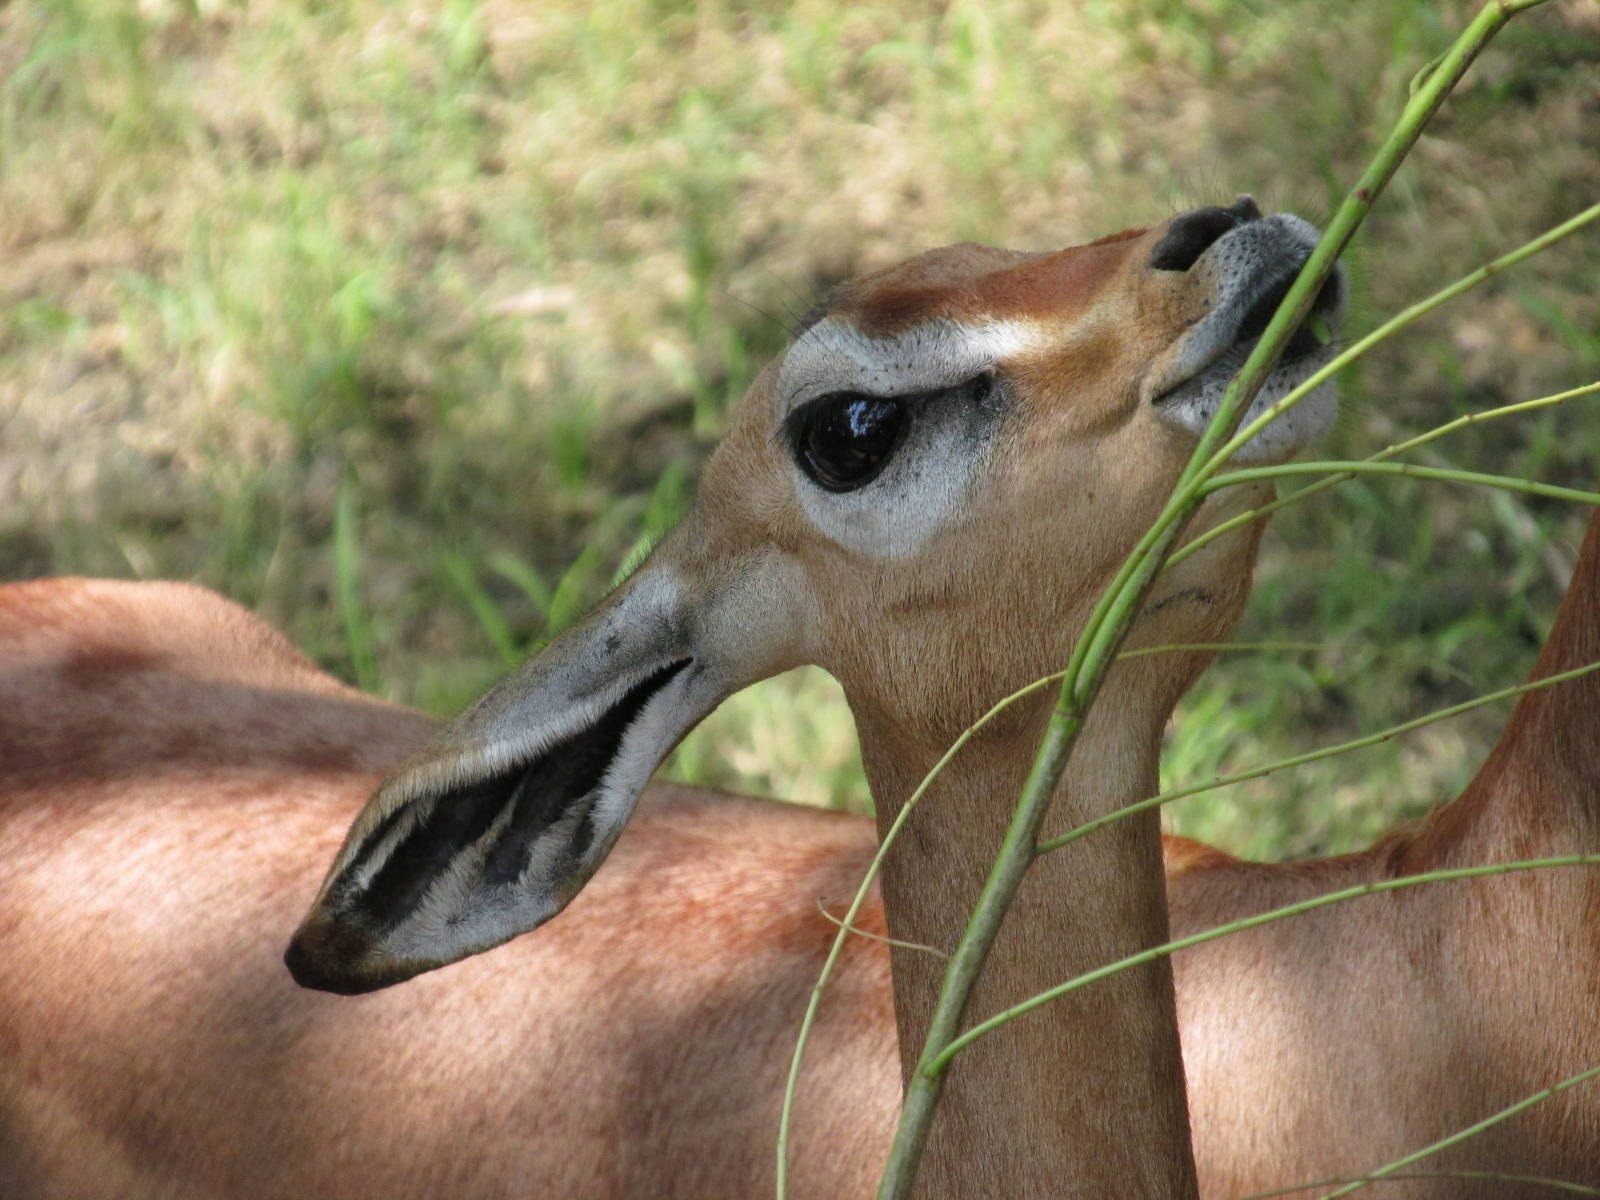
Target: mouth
[1312, 335]
[1250, 269]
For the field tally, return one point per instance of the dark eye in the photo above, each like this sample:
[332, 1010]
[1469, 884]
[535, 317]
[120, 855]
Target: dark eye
[843, 441]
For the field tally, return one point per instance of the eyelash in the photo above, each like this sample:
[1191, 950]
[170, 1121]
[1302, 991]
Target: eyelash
[843, 441]
[988, 378]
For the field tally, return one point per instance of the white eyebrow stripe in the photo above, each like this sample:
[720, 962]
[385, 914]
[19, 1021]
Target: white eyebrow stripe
[835, 356]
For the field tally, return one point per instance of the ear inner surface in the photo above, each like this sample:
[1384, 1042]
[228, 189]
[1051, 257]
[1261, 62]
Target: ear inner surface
[564, 775]
[538, 795]
[457, 820]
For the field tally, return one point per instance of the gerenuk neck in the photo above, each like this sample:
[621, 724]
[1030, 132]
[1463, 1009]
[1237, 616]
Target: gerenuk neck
[1084, 1097]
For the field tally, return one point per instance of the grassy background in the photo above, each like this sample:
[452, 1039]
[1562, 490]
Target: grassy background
[405, 325]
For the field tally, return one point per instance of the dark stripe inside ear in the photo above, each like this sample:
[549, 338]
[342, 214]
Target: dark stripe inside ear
[564, 775]
[374, 841]
[457, 819]
[542, 792]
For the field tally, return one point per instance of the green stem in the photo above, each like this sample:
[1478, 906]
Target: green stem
[846, 924]
[347, 588]
[961, 973]
[881, 939]
[1166, 949]
[1120, 603]
[1555, 1185]
[1471, 1131]
[1217, 647]
[1398, 322]
[1300, 760]
[1388, 452]
[1505, 483]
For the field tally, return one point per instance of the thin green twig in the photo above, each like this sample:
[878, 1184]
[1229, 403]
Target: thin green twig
[347, 589]
[1444, 875]
[1121, 602]
[1504, 483]
[1218, 647]
[1395, 324]
[1471, 1131]
[1300, 760]
[882, 939]
[847, 922]
[1388, 452]
[1555, 1185]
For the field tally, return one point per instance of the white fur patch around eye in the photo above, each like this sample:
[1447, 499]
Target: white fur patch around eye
[833, 356]
[919, 494]
[920, 491]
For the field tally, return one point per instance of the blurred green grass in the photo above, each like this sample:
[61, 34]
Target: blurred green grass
[409, 326]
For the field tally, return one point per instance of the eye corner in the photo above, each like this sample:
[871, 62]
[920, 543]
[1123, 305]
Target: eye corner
[982, 387]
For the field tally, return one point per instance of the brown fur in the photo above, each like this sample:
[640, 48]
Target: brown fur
[161, 835]
[152, 1046]
[968, 281]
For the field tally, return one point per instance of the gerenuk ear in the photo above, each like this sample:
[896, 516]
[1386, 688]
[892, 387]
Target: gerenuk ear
[493, 829]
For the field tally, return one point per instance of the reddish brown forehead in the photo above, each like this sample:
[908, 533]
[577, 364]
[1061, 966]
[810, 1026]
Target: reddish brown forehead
[968, 282]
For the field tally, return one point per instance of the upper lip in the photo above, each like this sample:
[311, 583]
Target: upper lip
[1247, 297]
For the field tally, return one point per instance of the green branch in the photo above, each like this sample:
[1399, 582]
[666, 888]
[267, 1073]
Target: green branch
[1395, 324]
[847, 923]
[1471, 1131]
[1121, 602]
[1504, 483]
[1555, 1185]
[1166, 949]
[1388, 452]
[1216, 648]
[1300, 760]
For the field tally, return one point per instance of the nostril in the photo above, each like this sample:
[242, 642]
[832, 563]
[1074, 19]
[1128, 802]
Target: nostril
[1192, 234]
[1245, 209]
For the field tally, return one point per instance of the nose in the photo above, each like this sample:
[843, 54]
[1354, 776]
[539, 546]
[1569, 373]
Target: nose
[1192, 233]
